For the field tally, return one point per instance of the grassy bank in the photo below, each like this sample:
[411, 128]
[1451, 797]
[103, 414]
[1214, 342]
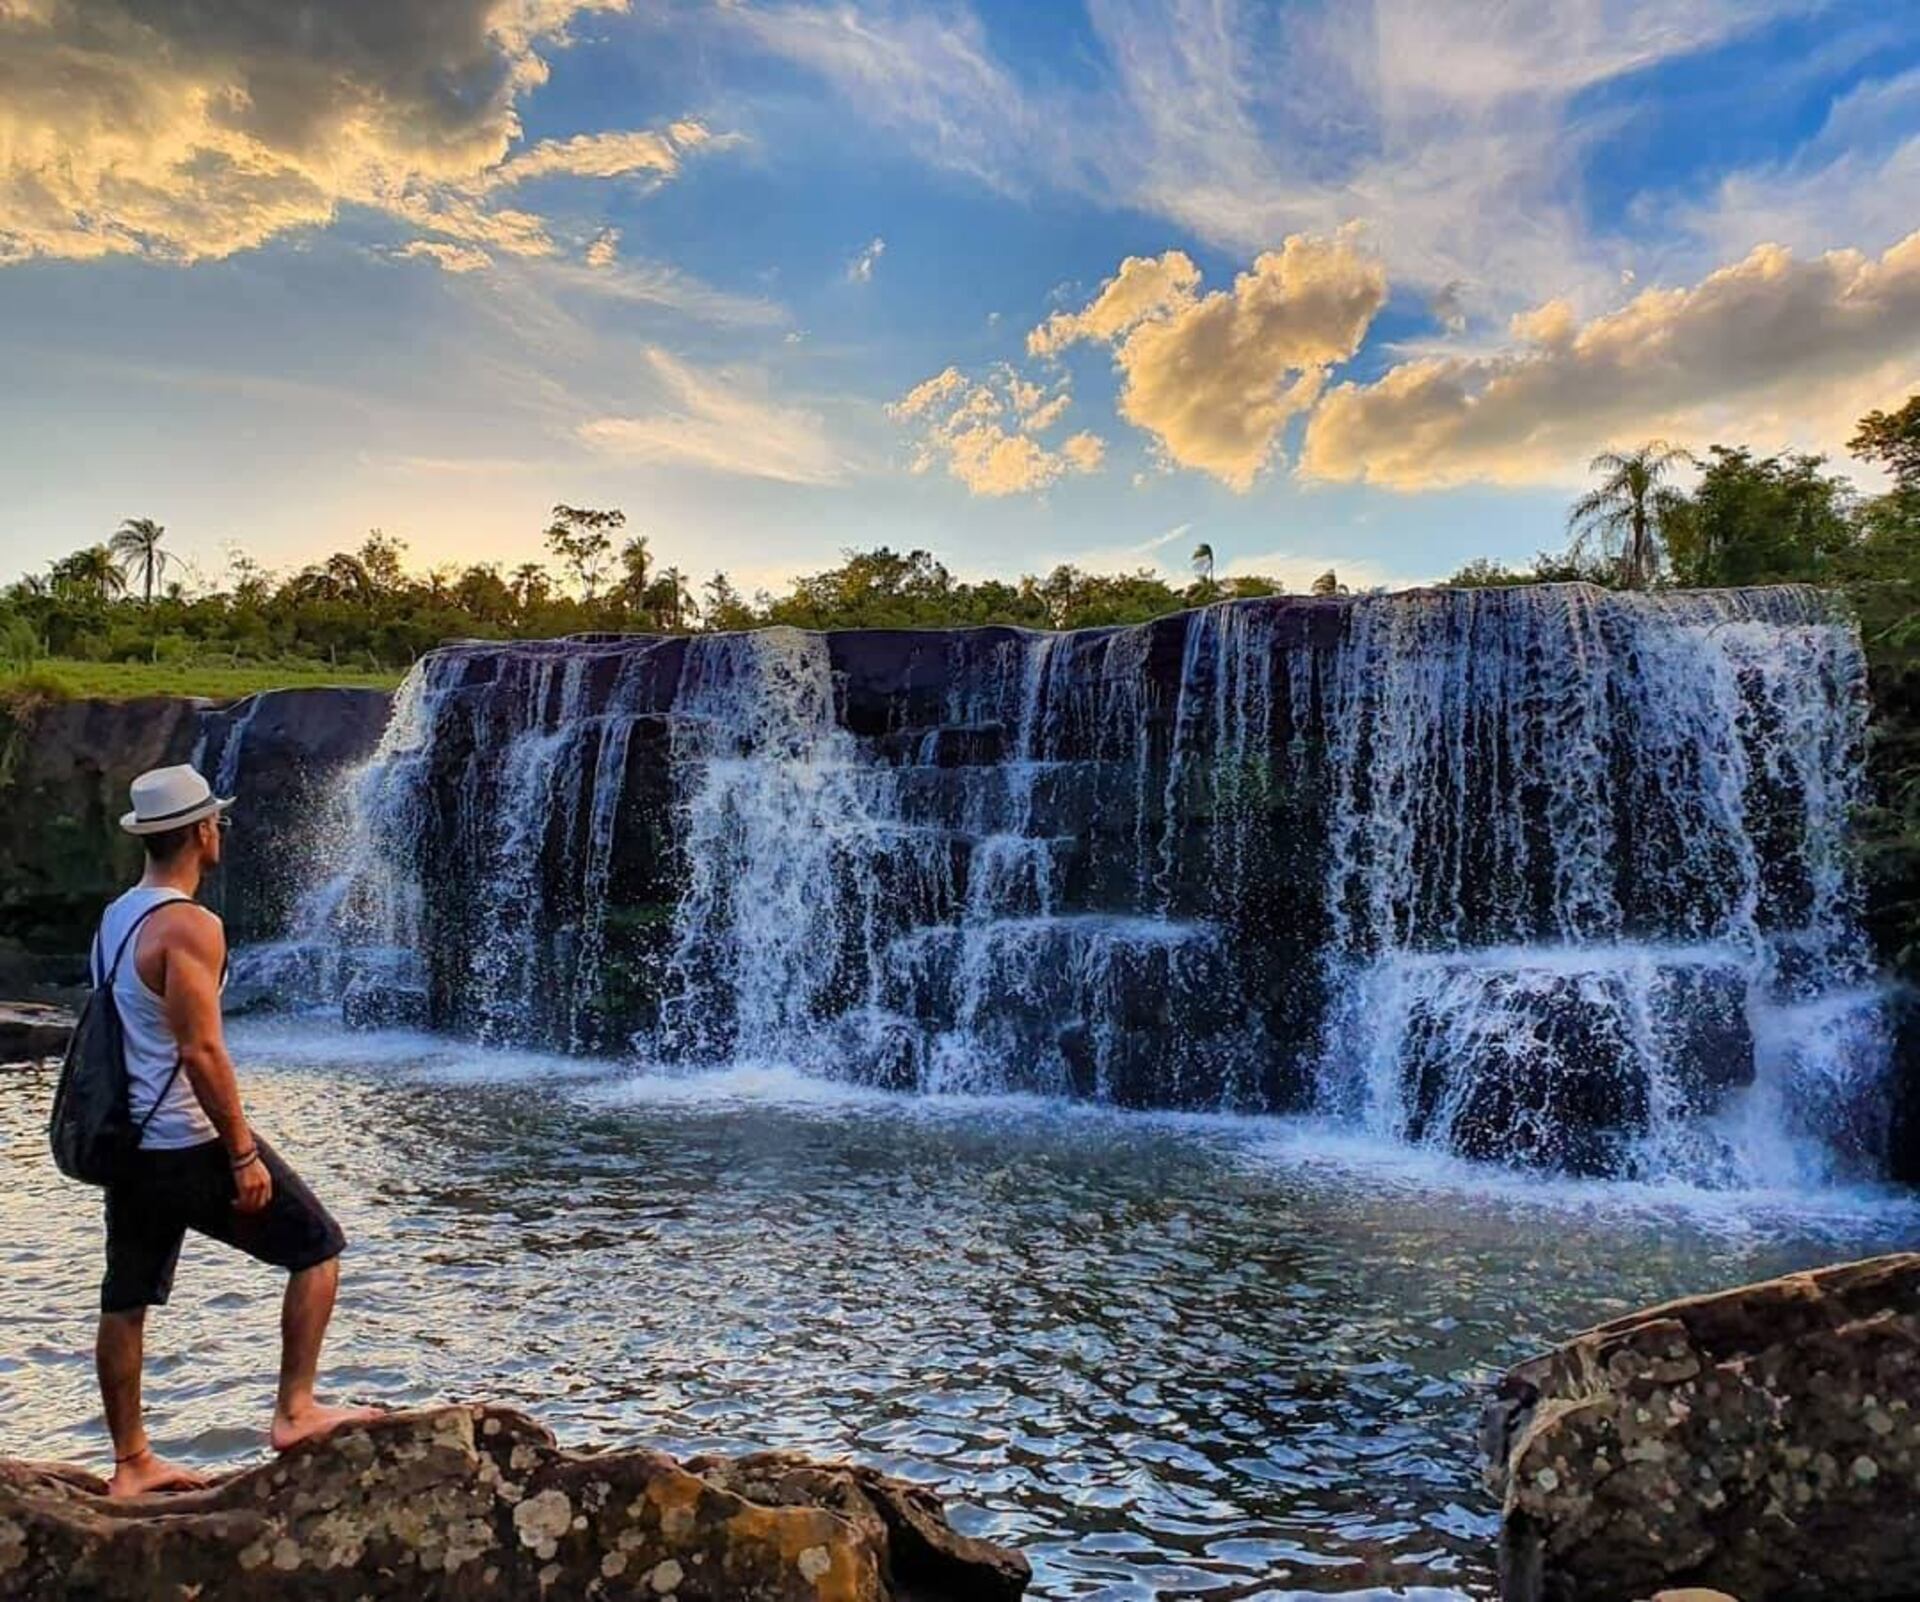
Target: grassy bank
[57, 679]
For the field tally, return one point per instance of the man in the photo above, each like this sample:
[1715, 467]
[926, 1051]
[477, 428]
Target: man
[200, 1165]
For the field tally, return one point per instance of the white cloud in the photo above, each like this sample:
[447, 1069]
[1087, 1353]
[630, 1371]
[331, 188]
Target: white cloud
[721, 422]
[1169, 556]
[1215, 378]
[1295, 571]
[604, 275]
[1855, 183]
[1083, 452]
[860, 269]
[185, 132]
[929, 75]
[1775, 350]
[1453, 127]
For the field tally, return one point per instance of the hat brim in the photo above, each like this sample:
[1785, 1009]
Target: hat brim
[133, 823]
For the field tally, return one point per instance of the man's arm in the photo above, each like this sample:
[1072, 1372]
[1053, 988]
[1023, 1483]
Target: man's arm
[193, 953]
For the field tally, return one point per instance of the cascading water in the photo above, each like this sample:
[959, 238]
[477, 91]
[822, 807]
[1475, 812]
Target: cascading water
[1546, 875]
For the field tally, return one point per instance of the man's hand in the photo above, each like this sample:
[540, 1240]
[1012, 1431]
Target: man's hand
[253, 1186]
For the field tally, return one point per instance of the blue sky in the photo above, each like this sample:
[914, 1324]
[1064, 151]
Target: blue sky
[1345, 285]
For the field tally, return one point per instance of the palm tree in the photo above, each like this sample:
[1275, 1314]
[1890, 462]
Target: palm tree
[137, 545]
[669, 599]
[92, 575]
[1623, 516]
[342, 577]
[531, 586]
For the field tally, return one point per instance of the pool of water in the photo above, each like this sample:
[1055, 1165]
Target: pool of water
[1166, 1356]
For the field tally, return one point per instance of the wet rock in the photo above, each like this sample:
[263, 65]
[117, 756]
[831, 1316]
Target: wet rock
[477, 1503]
[957, 745]
[1764, 1440]
[32, 1032]
[281, 752]
[384, 1006]
[1538, 1064]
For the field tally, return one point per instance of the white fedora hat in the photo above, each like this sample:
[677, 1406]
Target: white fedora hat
[171, 798]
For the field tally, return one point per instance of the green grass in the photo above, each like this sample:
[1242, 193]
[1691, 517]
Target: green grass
[218, 681]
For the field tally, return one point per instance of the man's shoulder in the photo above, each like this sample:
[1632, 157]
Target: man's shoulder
[187, 923]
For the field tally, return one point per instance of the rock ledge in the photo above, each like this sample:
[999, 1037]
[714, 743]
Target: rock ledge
[31, 1031]
[478, 1503]
[1764, 1441]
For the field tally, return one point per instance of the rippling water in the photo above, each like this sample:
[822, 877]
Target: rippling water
[1165, 1356]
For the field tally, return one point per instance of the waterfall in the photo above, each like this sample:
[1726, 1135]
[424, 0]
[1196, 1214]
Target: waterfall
[1546, 875]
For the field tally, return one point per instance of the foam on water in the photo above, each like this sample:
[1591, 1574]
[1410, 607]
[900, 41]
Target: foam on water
[1337, 1150]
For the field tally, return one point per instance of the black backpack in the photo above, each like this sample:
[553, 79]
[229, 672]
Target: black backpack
[91, 1129]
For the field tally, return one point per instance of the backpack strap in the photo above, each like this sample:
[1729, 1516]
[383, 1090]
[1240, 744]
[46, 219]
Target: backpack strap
[166, 1089]
[126, 940]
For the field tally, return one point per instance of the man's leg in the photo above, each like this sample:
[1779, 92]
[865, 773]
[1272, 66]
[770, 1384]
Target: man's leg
[142, 1246]
[117, 1354]
[304, 1315]
[296, 1233]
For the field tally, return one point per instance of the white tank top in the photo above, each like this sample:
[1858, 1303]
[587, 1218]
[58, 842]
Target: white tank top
[179, 1120]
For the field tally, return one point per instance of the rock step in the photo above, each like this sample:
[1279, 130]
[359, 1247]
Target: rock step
[478, 1502]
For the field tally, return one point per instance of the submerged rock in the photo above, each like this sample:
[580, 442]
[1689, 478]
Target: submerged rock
[31, 1031]
[1764, 1440]
[478, 1502]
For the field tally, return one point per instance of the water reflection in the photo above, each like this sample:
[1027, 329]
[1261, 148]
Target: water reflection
[1166, 1357]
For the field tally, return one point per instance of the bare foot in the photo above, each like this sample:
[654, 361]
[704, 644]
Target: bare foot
[146, 1472]
[313, 1422]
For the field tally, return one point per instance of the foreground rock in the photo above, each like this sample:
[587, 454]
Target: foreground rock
[1764, 1441]
[477, 1502]
[31, 1031]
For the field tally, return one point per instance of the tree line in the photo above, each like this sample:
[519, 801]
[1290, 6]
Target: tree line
[1748, 519]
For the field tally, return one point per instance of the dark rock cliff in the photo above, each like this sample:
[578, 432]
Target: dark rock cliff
[64, 771]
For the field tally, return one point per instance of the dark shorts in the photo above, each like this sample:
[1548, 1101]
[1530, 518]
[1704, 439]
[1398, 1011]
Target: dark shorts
[164, 1194]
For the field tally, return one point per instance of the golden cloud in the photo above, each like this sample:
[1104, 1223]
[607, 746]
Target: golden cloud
[1215, 378]
[604, 248]
[186, 132]
[961, 427]
[1145, 286]
[603, 155]
[450, 258]
[1774, 348]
